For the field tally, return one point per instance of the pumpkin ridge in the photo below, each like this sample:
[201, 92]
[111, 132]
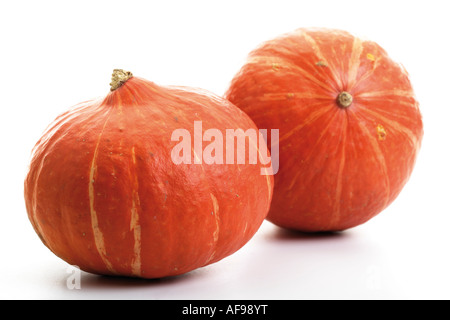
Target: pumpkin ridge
[215, 206]
[379, 156]
[98, 235]
[40, 151]
[260, 157]
[313, 149]
[406, 103]
[360, 81]
[400, 117]
[317, 51]
[395, 125]
[216, 232]
[354, 62]
[292, 95]
[135, 94]
[322, 134]
[384, 93]
[314, 105]
[313, 116]
[293, 67]
[152, 89]
[336, 213]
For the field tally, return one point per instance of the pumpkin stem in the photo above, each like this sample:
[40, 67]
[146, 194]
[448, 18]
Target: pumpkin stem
[119, 77]
[344, 99]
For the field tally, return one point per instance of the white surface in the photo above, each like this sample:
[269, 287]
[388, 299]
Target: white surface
[55, 54]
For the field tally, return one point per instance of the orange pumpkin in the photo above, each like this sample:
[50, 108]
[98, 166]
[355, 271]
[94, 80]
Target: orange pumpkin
[350, 125]
[104, 193]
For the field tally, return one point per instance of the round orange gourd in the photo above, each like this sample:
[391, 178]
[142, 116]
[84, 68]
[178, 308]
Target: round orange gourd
[104, 193]
[349, 125]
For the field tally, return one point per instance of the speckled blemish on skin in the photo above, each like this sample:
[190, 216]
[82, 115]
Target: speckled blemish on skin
[381, 132]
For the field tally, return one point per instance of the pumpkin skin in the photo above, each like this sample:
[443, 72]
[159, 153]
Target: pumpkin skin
[342, 161]
[103, 193]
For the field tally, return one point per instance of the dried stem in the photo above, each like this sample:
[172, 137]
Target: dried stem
[119, 77]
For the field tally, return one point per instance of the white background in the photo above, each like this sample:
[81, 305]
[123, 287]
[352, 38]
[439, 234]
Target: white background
[54, 54]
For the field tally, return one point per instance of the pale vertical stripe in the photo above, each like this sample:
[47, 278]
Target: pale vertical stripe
[316, 49]
[336, 214]
[215, 212]
[198, 160]
[136, 264]
[354, 62]
[361, 79]
[98, 234]
[268, 180]
[261, 159]
[373, 140]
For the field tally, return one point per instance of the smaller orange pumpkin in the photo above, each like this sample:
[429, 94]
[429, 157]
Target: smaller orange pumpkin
[350, 125]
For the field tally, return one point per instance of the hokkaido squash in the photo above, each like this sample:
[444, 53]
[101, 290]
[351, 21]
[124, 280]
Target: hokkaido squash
[349, 124]
[103, 191]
